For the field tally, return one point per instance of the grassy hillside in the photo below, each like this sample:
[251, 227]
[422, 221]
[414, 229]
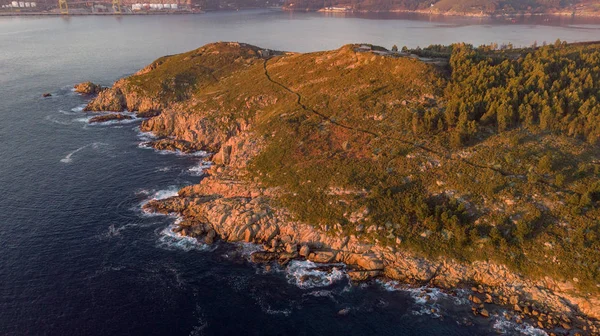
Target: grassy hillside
[492, 156]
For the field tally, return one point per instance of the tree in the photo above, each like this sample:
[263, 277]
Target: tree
[524, 229]
[545, 164]
[395, 48]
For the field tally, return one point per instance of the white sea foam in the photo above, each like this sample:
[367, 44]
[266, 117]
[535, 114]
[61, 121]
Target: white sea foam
[146, 145]
[429, 300]
[306, 274]
[88, 118]
[420, 294]
[79, 108]
[85, 120]
[171, 240]
[67, 112]
[116, 122]
[509, 327]
[268, 308]
[166, 193]
[200, 168]
[52, 118]
[321, 293]
[247, 249]
[154, 195]
[69, 157]
[144, 136]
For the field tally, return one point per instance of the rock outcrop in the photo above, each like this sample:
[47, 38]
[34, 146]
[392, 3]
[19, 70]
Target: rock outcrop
[88, 88]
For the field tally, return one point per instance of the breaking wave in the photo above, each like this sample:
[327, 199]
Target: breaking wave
[307, 274]
[52, 118]
[144, 136]
[171, 240]
[430, 300]
[154, 195]
[509, 327]
[200, 168]
[79, 108]
[146, 145]
[69, 157]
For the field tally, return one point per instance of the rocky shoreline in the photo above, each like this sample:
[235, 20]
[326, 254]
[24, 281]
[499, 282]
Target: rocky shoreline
[222, 207]
[227, 205]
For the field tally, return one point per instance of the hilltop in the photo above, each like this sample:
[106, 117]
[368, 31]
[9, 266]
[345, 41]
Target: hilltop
[449, 165]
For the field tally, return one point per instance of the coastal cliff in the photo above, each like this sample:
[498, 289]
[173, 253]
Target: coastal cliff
[352, 156]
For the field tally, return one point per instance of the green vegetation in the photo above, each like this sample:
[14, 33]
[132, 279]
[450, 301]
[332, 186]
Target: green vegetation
[493, 156]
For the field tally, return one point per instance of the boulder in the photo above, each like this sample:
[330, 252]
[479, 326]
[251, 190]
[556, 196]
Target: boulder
[484, 313]
[475, 299]
[321, 256]
[304, 251]
[291, 248]
[210, 237]
[46, 95]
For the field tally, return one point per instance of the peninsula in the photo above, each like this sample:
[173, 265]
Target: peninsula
[450, 166]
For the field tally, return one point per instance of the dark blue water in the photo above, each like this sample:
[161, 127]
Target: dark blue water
[78, 257]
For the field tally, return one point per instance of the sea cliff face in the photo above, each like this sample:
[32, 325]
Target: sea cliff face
[286, 129]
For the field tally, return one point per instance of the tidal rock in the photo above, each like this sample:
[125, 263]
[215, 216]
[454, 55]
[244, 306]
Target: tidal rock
[264, 257]
[109, 117]
[147, 114]
[174, 145]
[344, 311]
[484, 313]
[46, 95]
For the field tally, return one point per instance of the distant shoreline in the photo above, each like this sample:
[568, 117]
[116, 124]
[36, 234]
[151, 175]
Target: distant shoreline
[582, 15]
[96, 14]
[454, 14]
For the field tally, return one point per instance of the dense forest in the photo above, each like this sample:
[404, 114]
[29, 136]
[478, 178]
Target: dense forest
[551, 88]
